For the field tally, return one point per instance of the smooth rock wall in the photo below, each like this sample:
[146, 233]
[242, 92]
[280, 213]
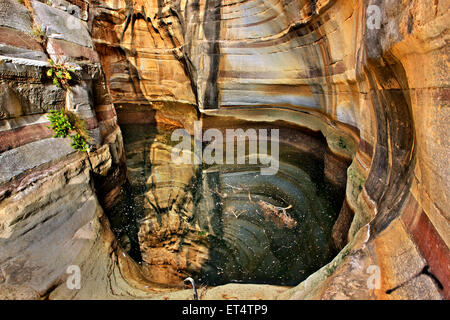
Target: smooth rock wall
[311, 62]
[51, 196]
[384, 89]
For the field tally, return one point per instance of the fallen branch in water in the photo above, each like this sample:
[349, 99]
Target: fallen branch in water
[277, 214]
[236, 189]
[236, 213]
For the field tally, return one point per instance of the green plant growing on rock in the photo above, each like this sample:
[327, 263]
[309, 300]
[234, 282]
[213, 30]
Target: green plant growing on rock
[78, 125]
[67, 124]
[78, 143]
[59, 123]
[38, 33]
[60, 74]
[356, 178]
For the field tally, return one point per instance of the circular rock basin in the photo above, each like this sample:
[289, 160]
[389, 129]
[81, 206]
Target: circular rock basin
[222, 223]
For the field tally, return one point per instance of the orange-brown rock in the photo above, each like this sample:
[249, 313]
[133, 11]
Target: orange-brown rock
[378, 95]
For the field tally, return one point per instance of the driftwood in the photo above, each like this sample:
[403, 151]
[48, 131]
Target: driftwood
[223, 195]
[236, 189]
[277, 214]
[236, 213]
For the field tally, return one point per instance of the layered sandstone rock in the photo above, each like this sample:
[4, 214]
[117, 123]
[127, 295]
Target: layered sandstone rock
[51, 216]
[321, 58]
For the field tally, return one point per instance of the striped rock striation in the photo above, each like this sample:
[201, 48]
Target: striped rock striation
[379, 96]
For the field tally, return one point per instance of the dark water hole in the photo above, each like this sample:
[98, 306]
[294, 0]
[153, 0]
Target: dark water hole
[245, 243]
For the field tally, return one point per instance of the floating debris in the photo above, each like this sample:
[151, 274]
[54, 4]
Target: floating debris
[277, 214]
[236, 213]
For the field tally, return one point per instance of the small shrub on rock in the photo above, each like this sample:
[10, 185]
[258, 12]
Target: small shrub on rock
[59, 123]
[39, 34]
[60, 74]
[64, 124]
[78, 143]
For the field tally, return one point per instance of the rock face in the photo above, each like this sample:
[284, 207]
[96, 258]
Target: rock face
[51, 197]
[378, 95]
[163, 197]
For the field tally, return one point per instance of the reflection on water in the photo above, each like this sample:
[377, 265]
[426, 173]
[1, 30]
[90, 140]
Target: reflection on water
[227, 223]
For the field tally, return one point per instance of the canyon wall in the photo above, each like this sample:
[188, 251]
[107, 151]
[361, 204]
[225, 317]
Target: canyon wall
[51, 196]
[378, 95]
[385, 89]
